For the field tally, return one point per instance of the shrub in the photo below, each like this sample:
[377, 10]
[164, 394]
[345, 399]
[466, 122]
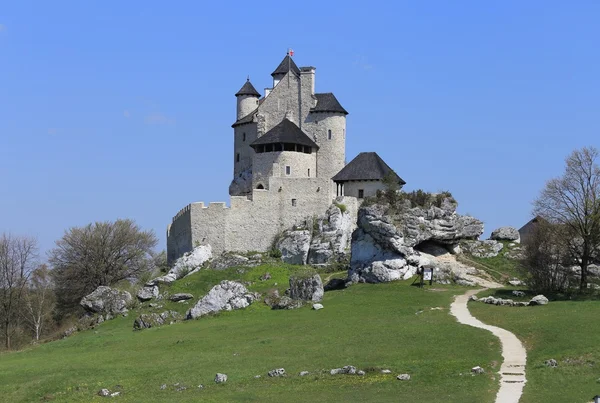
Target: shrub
[341, 206]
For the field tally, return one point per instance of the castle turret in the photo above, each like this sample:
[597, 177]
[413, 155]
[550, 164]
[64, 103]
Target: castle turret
[287, 64]
[247, 99]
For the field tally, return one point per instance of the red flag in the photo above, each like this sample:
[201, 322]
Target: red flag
[291, 52]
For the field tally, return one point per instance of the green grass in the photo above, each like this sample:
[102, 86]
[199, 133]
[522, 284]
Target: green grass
[567, 331]
[369, 326]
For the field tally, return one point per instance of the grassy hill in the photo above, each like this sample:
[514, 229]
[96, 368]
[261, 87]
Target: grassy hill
[369, 326]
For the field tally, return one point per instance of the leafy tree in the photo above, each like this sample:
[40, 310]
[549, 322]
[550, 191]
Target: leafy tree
[102, 253]
[573, 202]
[17, 260]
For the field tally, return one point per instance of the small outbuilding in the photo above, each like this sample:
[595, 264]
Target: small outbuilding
[528, 229]
[363, 176]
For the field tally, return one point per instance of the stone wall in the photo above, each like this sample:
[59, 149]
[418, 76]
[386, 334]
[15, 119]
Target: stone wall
[243, 136]
[370, 188]
[270, 164]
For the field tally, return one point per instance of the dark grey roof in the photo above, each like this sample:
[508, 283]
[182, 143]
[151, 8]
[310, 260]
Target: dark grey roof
[249, 118]
[327, 102]
[365, 166]
[247, 89]
[286, 65]
[285, 132]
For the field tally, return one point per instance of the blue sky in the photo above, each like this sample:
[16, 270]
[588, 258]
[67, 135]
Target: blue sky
[120, 110]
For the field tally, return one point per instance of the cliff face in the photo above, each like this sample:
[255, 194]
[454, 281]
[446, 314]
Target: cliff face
[386, 245]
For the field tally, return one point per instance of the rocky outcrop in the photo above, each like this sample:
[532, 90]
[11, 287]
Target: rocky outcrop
[231, 259]
[241, 185]
[306, 288]
[384, 245]
[184, 266]
[149, 320]
[483, 249]
[294, 246]
[180, 297]
[321, 241]
[106, 300]
[147, 293]
[226, 296]
[506, 234]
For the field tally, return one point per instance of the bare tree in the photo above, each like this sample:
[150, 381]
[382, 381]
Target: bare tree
[102, 253]
[17, 260]
[39, 299]
[573, 201]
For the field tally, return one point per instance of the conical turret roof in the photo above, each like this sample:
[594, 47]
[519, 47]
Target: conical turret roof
[247, 89]
[286, 65]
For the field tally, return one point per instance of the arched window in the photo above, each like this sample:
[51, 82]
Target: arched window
[260, 186]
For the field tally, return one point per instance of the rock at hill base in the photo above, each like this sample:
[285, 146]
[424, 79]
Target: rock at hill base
[335, 284]
[188, 264]
[276, 372]
[106, 300]
[304, 373]
[483, 249]
[294, 246]
[473, 298]
[386, 371]
[477, 370]
[227, 295]
[147, 293]
[148, 320]
[306, 288]
[346, 370]
[515, 282]
[506, 234]
[69, 332]
[518, 294]
[180, 297]
[104, 392]
[284, 302]
[316, 307]
[231, 259]
[403, 377]
[538, 300]
[163, 386]
[220, 378]
[360, 373]
[115, 394]
[552, 363]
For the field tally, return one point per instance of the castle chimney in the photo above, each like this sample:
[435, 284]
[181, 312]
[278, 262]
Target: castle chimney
[307, 77]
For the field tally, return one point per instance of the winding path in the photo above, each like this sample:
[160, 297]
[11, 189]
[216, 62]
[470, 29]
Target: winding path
[512, 370]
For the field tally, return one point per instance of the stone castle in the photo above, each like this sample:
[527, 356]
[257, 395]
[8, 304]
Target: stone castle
[289, 164]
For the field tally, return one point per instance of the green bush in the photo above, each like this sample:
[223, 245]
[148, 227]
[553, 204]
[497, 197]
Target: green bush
[341, 206]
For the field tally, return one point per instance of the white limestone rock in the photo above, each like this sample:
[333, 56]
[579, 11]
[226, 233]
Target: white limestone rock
[331, 242]
[539, 300]
[180, 297]
[241, 185]
[317, 307]
[483, 249]
[306, 288]
[506, 234]
[220, 378]
[147, 293]
[106, 300]
[149, 320]
[228, 295]
[294, 246]
[403, 377]
[276, 372]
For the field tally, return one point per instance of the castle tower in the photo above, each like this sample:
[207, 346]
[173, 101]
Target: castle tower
[287, 64]
[247, 99]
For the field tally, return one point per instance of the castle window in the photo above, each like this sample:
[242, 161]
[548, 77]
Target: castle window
[260, 186]
[237, 157]
[288, 170]
[244, 136]
[278, 147]
[294, 202]
[329, 134]
[309, 172]
[361, 193]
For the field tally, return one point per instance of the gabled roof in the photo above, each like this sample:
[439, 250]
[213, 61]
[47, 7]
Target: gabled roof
[286, 65]
[285, 132]
[366, 166]
[327, 102]
[249, 118]
[247, 89]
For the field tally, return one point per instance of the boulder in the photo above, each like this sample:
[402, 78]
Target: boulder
[538, 300]
[227, 295]
[188, 264]
[551, 363]
[518, 294]
[180, 297]
[347, 370]
[335, 284]
[304, 373]
[106, 300]
[482, 249]
[515, 282]
[220, 378]
[149, 320]
[306, 288]
[276, 372]
[316, 307]
[506, 234]
[230, 259]
[147, 293]
[294, 246]
[403, 377]
[104, 392]
[284, 302]
[477, 370]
